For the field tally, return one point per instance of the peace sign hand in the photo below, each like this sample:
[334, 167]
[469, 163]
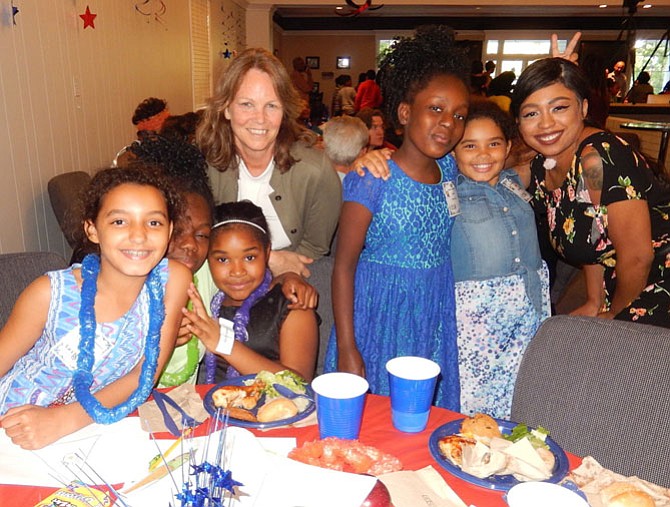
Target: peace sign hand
[569, 53]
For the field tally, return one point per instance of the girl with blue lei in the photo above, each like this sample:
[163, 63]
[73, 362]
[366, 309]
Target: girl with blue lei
[87, 343]
[258, 327]
[393, 286]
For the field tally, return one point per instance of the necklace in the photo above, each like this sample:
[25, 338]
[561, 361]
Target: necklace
[83, 378]
[240, 322]
[177, 378]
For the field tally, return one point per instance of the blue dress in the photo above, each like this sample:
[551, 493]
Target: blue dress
[404, 285]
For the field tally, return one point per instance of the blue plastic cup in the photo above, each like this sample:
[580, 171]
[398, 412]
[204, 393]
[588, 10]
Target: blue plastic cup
[412, 381]
[339, 404]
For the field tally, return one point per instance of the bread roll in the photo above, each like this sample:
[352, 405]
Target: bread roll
[281, 408]
[480, 425]
[625, 494]
[632, 499]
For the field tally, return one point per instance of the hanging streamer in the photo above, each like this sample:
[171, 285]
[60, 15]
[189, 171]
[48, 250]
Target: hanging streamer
[152, 8]
[358, 9]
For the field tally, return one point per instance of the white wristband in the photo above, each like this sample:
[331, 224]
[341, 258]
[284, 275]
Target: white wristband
[226, 337]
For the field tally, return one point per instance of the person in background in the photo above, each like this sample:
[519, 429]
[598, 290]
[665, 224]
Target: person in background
[150, 115]
[306, 120]
[257, 150]
[369, 94]
[182, 126]
[264, 333]
[301, 77]
[361, 79]
[638, 93]
[620, 81]
[345, 138]
[374, 121]
[489, 70]
[87, 344]
[607, 211]
[347, 96]
[599, 97]
[478, 79]
[148, 118]
[392, 282]
[500, 89]
[336, 102]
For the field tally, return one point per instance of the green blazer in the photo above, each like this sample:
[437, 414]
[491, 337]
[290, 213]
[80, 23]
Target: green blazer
[307, 199]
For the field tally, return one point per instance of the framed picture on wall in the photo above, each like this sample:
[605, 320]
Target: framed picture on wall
[343, 62]
[312, 62]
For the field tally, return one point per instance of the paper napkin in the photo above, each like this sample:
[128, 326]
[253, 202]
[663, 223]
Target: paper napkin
[424, 487]
[116, 451]
[185, 396]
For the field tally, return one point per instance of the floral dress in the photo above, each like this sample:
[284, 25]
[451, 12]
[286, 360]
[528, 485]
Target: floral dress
[578, 228]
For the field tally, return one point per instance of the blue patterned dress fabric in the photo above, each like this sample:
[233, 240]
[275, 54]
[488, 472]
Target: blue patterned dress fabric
[404, 285]
[43, 376]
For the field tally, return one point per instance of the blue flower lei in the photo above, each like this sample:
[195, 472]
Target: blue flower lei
[83, 378]
[240, 322]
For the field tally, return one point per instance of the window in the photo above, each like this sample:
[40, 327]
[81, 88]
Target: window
[657, 62]
[517, 54]
[383, 45]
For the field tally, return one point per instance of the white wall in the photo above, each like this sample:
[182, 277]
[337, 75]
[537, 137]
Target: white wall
[67, 95]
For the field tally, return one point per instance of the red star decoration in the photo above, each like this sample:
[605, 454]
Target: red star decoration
[88, 18]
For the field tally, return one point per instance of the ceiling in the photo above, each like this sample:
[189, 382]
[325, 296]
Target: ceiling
[582, 15]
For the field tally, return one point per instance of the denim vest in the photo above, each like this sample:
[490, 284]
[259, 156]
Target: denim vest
[495, 235]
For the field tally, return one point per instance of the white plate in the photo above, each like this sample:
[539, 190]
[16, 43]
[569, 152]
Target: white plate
[545, 494]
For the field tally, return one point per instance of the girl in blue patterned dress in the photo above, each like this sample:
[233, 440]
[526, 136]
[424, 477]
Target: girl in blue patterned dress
[392, 282]
[107, 326]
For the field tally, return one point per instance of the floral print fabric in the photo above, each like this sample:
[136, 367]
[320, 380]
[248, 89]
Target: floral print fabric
[496, 321]
[578, 227]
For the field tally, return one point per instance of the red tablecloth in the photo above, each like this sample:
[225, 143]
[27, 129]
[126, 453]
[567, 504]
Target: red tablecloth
[376, 430]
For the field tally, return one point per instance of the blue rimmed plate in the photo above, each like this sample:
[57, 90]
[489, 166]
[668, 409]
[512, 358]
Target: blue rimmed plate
[496, 482]
[239, 381]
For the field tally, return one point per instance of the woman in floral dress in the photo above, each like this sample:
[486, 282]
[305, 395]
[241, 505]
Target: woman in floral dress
[607, 211]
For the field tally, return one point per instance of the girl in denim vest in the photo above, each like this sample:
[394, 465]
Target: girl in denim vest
[502, 284]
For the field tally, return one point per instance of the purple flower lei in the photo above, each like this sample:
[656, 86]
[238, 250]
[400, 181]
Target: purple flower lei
[240, 322]
[83, 378]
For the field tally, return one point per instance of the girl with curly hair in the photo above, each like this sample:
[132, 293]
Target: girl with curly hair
[87, 343]
[393, 285]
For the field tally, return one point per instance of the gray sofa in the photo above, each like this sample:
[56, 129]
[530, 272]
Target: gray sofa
[602, 388]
